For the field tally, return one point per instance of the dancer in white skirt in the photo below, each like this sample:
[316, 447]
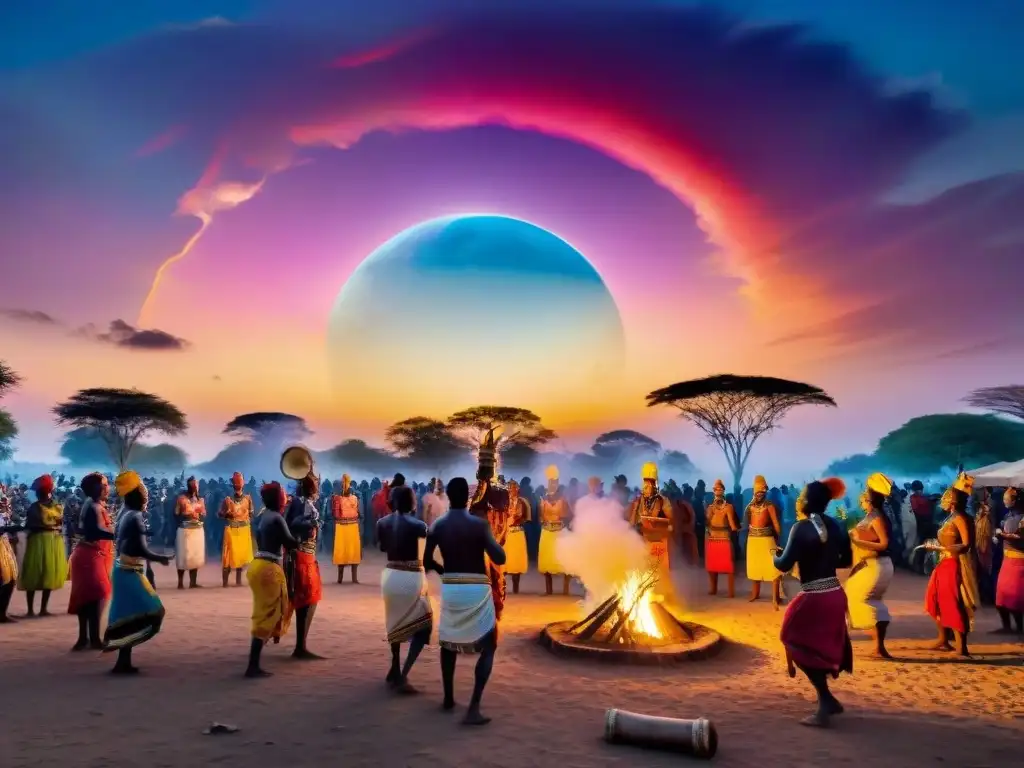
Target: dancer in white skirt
[403, 585]
[469, 621]
[872, 566]
[190, 541]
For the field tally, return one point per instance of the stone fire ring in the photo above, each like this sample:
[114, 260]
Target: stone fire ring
[706, 643]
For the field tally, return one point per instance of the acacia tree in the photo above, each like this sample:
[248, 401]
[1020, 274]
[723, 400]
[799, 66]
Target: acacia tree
[9, 380]
[1007, 400]
[621, 445]
[513, 426]
[734, 411]
[426, 442]
[120, 417]
[267, 426]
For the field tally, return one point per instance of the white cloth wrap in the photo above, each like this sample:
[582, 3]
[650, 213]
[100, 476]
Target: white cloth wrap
[467, 611]
[865, 593]
[190, 548]
[407, 608]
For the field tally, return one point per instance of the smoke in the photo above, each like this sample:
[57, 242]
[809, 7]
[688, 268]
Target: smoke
[601, 549]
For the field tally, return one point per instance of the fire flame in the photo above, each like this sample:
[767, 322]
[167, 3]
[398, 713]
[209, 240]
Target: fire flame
[638, 601]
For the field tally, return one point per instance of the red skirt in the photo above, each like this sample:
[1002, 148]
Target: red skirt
[942, 599]
[718, 556]
[91, 565]
[814, 631]
[1010, 587]
[308, 586]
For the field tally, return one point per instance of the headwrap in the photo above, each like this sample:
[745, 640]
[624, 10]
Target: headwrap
[346, 482]
[880, 484]
[551, 473]
[127, 482]
[237, 476]
[649, 471]
[760, 484]
[819, 493]
[43, 485]
[964, 483]
[271, 489]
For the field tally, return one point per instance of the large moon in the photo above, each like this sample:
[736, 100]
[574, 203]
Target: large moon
[471, 310]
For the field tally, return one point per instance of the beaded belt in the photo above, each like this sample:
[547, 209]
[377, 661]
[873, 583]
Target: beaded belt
[270, 557]
[131, 564]
[192, 524]
[347, 521]
[554, 527]
[829, 584]
[714, 532]
[238, 523]
[412, 566]
[308, 546]
[761, 532]
[466, 578]
[515, 529]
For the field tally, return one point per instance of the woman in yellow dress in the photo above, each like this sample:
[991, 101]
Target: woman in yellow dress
[519, 513]
[348, 544]
[554, 514]
[45, 567]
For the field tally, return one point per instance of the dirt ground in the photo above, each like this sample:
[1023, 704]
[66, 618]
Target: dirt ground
[62, 709]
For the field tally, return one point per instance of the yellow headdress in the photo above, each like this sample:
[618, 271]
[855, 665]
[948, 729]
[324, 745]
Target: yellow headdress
[551, 473]
[946, 502]
[760, 484]
[719, 484]
[964, 483]
[879, 483]
[649, 471]
[127, 482]
[1010, 496]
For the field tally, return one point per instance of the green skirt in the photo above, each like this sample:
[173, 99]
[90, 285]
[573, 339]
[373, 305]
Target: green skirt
[45, 566]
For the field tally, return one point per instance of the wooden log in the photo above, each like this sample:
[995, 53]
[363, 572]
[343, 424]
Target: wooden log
[594, 613]
[598, 621]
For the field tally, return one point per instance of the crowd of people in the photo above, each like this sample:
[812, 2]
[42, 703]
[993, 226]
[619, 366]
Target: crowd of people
[104, 533]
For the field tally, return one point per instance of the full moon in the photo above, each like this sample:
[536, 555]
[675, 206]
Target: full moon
[472, 310]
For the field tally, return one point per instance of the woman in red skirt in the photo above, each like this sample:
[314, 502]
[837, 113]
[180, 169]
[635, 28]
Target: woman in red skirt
[92, 562]
[306, 586]
[952, 595]
[814, 629]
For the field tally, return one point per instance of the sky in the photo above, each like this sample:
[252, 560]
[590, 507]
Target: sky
[829, 192]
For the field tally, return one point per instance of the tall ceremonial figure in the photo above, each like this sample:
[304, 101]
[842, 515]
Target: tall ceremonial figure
[554, 514]
[190, 541]
[761, 519]
[490, 502]
[237, 513]
[519, 513]
[651, 514]
[721, 524]
[348, 544]
[301, 566]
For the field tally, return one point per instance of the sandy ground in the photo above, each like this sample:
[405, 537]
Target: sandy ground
[62, 709]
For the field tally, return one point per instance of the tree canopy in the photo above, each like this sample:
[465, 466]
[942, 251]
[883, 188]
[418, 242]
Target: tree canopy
[518, 426]
[860, 464]
[86, 448]
[120, 417]
[264, 425]
[734, 411]
[621, 443]
[9, 380]
[1007, 400]
[427, 442]
[927, 444]
[356, 454]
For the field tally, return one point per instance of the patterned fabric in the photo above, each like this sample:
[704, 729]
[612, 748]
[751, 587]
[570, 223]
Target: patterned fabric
[814, 630]
[271, 608]
[407, 610]
[136, 613]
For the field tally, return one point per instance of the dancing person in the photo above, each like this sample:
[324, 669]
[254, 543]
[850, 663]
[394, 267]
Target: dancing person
[469, 622]
[403, 586]
[236, 511]
[190, 540]
[44, 566]
[516, 555]
[872, 570]
[554, 514]
[984, 551]
[92, 562]
[761, 519]
[814, 631]
[721, 524]
[348, 544]
[1010, 586]
[136, 613]
[8, 559]
[435, 503]
[306, 586]
[651, 514]
[952, 595]
[490, 503]
[271, 606]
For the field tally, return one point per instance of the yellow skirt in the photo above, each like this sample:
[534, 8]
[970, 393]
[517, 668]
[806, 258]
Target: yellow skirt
[8, 562]
[237, 550]
[761, 559]
[271, 608]
[515, 553]
[348, 548]
[547, 558]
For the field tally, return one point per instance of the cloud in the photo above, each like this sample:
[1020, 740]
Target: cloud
[119, 333]
[784, 145]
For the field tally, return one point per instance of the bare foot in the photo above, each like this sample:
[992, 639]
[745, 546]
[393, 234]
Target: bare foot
[96, 646]
[124, 671]
[818, 720]
[753, 599]
[392, 676]
[942, 645]
[473, 717]
[834, 707]
[8, 620]
[305, 656]
[448, 706]
[81, 645]
[254, 673]
[881, 653]
[405, 688]
[44, 612]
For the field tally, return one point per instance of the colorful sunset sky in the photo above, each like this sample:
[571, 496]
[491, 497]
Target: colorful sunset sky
[829, 191]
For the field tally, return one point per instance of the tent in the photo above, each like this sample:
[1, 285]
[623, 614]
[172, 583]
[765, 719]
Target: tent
[988, 468]
[997, 476]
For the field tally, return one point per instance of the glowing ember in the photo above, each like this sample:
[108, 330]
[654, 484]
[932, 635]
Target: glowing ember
[636, 597]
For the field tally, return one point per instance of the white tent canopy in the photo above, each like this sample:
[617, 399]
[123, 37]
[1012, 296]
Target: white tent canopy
[1000, 475]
